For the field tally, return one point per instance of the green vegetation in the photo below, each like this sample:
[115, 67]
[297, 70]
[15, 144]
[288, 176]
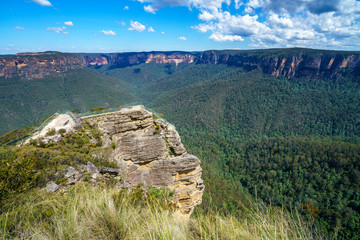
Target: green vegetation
[85, 212]
[291, 143]
[29, 166]
[24, 103]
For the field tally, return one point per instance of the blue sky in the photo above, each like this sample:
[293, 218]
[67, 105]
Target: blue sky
[146, 25]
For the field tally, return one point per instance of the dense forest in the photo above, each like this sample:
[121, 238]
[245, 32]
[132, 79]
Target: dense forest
[291, 142]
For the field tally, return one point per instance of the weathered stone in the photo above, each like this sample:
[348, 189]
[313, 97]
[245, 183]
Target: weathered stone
[174, 141]
[52, 186]
[69, 172]
[111, 171]
[90, 167]
[72, 181]
[141, 146]
[147, 152]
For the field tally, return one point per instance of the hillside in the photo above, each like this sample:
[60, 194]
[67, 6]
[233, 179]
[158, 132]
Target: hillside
[280, 124]
[120, 175]
[25, 102]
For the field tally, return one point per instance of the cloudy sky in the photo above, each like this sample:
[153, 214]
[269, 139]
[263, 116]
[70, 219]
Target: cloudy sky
[145, 25]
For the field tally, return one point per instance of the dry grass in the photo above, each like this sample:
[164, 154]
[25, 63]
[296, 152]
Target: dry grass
[85, 212]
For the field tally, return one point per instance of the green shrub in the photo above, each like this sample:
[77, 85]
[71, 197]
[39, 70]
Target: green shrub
[51, 132]
[62, 131]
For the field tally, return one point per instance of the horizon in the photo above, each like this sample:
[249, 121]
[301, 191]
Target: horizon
[184, 51]
[185, 25]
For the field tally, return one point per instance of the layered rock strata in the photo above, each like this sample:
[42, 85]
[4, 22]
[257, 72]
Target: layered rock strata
[149, 151]
[128, 59]
[38, 65]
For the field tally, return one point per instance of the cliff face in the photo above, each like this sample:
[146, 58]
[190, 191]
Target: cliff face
[146, 150]
[150, 152]
[127, 59]
[275, 62]
[38, 65]
[297, 64]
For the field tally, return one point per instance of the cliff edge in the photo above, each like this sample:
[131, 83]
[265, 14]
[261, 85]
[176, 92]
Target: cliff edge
[147, 150]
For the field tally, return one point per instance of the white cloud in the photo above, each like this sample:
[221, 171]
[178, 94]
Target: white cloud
[69, 23]
[218, 37]
[19, 28]
[136, 26]
[126, 8]
[283, 23]
[56, 29]
[150, 29]
[149, 9]
[206, 16]
[182, 38]
[108, 32]
[43, 2]
[162, 32]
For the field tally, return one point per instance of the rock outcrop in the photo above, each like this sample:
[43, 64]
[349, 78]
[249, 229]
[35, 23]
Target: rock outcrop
[38, 65]
[128, 59]
[275, 62]
[286, 62]
[149, 151]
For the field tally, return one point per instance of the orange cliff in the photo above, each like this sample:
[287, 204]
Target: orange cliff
[38, 65]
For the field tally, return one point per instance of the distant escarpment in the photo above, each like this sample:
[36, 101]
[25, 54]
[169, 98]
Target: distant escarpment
[294, 62]
[287, 62]
[128, 59]
[38, 65]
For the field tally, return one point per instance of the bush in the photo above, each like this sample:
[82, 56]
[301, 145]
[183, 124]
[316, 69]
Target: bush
[51, 132]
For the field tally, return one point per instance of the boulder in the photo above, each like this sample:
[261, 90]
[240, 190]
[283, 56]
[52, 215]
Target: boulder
[52, 186]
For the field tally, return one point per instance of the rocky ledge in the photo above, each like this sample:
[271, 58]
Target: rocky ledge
[147, 150]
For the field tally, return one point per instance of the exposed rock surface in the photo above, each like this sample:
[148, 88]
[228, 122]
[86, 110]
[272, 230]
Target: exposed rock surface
[275, 62]
[38, 65]
[149, 152]
[293, 63]
[52, 186]
[128, 59]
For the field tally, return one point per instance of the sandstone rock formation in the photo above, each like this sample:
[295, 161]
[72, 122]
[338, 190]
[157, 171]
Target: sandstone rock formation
[128, 59]
[292, 63]
[275, 62]
[38, 65]
[149, 152]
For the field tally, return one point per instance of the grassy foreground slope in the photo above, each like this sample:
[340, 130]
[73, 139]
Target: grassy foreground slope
[25, 102]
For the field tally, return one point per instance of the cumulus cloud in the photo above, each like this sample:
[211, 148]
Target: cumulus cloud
[283, 23]
[69, 23]
[57, 29]
[218, 37]
[162, 32]
[43, 2]
[182, 38]
[19, 28]
[150, 29]
[108, 32]
[136, 26]
[206, 16]
[126, 8]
